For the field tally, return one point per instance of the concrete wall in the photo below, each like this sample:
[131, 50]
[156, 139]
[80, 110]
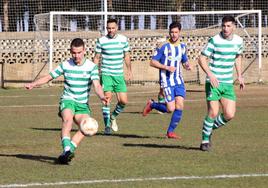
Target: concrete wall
[24, 57]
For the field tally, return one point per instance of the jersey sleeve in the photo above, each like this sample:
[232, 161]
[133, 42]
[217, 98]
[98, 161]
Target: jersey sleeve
[126, 46]
[58, 71]
[241, 48]
[159, 51]
[95, 73]
[184, 57]
[98, 47]
[209, 48]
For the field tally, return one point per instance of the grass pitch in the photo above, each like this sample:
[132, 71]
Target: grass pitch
[138, 155]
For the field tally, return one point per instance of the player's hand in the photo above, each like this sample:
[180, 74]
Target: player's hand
[29, 86]
[105, 100]
[171, 68]
[188, 67]
[241, 83]
[213, 80]
[129, 76]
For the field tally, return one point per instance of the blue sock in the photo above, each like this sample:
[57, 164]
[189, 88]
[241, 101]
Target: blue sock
[159, 106]
[175, 119]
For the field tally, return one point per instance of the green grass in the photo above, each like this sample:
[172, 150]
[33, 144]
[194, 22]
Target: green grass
[30, 143]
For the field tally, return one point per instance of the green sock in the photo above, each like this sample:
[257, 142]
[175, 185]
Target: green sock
[106, 115]
[219, 121]
[118, 109]
[66, 143]
[207, 129]
[73, 146]
[161, 99]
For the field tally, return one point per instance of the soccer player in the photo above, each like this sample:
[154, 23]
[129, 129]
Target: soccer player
[224, 51]
[114, 50]
[168, 58]
[79, 74]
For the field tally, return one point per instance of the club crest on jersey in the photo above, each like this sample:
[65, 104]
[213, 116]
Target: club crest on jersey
[84, 74]
[172, 58]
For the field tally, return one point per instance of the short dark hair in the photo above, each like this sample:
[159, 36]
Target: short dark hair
[228, 19]
[77, 42]
[174, 25]
[112, 20]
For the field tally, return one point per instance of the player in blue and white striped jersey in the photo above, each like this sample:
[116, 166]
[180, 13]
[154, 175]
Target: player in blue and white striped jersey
[79, 74]
[169, 58]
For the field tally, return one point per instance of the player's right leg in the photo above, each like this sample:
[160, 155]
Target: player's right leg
[107, 85]
[106, 114]
[67, 113]
[213, 110]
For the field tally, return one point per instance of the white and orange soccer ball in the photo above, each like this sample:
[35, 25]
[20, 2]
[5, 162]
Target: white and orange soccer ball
[89, 126]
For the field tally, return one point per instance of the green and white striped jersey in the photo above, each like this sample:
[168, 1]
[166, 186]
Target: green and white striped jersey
[222, 53]
[112, 51]
[77, 79]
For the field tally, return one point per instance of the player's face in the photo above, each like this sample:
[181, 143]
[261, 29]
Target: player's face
[78, 54]
[174, 34]
[228, 29]
[112, 29]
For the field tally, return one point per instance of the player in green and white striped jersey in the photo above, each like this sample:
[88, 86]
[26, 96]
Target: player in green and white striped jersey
[224, 51]
[79, 74]
[113, 49]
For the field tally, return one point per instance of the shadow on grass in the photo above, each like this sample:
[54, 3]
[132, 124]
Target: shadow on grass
[161, 146]
[50, 129]
[127, 136]
[195, 91]
[154, 112]
[45, 159]
[100, 133]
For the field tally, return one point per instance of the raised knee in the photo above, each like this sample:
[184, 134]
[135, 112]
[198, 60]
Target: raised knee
[170, 110]
[229, 116]
[67, 121]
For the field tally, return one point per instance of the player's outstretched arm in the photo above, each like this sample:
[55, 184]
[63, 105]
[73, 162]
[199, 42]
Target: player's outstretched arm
[39, 82]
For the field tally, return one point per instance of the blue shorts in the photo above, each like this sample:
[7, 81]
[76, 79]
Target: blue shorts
[174, 91]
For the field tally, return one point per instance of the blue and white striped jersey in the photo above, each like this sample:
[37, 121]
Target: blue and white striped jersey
[171, 55]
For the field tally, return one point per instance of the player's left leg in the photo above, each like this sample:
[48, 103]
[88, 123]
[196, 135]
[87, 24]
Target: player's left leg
[120, 89]
[229, 109]
[228, 102]
[120, 106]
[176, 105]
[177, 108]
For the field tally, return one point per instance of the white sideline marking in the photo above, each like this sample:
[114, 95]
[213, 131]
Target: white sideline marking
[224, 176]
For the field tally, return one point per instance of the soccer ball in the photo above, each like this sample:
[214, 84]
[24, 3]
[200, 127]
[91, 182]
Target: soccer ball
[89, 126]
